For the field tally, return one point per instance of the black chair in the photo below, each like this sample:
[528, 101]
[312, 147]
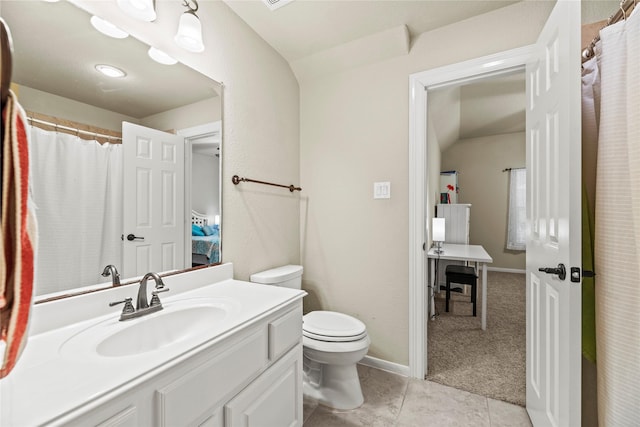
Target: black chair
[462, 275]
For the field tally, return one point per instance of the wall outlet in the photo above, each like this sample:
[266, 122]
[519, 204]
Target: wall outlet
[381, 190]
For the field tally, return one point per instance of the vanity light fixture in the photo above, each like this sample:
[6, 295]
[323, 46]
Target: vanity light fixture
[189, 35]
[107, 28]
[110, 71]
[161, 57]
[144, 10]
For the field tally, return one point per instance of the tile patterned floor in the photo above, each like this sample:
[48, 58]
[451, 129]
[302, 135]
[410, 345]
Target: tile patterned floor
[394, 400]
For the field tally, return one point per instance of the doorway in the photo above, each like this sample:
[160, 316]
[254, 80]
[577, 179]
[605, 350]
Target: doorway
[202, 191]
[479, 127]
[422, 202]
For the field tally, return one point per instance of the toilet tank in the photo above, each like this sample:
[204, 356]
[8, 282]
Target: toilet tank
[288, 276]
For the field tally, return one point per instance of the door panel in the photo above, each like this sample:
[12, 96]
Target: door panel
[554, 218]
[153, 200]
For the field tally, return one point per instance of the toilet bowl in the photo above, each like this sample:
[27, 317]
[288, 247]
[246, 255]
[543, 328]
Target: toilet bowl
[333, 343]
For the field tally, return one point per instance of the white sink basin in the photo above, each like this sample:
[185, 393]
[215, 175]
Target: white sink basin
[180, 322]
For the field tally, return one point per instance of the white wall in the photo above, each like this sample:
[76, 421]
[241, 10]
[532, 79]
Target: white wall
[354, 131]
[260, 127]
[482, 183]
[204, 184]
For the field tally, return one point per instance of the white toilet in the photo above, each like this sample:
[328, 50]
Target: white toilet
[332, 345]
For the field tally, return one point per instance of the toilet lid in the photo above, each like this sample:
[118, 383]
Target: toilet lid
[332, 326]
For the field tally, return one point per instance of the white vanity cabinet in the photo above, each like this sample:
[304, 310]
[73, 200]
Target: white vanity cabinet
[251, 377]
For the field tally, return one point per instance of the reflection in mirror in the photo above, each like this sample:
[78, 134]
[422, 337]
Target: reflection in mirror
[93, 182]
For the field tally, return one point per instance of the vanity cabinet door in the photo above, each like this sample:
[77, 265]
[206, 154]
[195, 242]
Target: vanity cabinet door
[196, 396]
[128, 411]
[273, 399]
[126, 418]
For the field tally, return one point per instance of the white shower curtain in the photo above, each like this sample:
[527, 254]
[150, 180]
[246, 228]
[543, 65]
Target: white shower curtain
[77, 188]
[617, 229]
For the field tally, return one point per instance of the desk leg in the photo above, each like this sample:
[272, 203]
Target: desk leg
[484, 296]
[430, 290]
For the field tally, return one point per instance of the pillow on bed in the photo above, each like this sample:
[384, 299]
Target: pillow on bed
[196, 230]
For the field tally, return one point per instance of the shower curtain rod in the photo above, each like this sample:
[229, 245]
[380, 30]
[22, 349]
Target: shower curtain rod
[75, 130]
[625, 8]
[510, 169]
[236, 180]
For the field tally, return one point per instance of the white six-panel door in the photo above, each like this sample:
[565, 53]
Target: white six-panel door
[153, 200]
[554, 217]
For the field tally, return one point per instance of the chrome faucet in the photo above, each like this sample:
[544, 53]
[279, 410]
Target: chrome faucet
[113, 271]
[142, 305]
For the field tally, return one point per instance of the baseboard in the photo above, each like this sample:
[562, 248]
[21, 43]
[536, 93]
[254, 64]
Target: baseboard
[506, 270]
[374, 362]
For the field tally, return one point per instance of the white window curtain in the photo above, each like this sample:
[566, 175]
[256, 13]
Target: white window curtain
[516, 232]
[77, 190]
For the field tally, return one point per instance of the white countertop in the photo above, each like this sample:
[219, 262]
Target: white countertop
[47, 385]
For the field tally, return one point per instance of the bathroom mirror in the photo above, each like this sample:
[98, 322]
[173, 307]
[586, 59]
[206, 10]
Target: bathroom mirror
[56, 49]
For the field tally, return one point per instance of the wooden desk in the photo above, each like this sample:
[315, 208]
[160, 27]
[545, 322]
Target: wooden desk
[469, 253]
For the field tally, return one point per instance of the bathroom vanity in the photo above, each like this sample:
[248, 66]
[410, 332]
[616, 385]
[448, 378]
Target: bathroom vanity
[222, 352]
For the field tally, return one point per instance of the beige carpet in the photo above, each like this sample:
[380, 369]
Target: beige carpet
[492, 362]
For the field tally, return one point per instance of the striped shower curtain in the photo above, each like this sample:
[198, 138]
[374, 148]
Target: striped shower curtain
[617, 226]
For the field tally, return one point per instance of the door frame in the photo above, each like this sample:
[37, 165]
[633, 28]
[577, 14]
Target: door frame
[213, 129]
[419, 84]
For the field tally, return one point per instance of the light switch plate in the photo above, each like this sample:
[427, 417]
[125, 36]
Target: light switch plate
[381, 190]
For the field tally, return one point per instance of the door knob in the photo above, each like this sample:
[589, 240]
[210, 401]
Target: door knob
[559, 270]
[132, 237]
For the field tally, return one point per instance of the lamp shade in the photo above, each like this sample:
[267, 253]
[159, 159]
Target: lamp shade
[189, 35]
[143, 10]
[437, 230]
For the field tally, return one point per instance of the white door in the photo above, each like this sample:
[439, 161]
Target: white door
[554, 217]
[153, 218]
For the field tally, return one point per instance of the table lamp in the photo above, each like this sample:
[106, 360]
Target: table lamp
[437, 233]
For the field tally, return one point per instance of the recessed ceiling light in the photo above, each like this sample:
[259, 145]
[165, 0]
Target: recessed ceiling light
[161, 57]
[110, 71]
[107, 28]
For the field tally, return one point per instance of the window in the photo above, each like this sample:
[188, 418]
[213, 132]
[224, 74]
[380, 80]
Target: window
[516, 233]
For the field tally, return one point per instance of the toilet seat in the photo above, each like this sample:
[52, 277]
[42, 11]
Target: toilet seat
[331, 326]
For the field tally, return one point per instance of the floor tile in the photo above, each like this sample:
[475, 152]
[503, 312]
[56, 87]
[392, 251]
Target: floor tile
[503, 414]
[393, 400]
[427, 403]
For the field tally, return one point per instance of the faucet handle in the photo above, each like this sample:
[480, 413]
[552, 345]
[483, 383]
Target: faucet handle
[128, 306]
[155, 300]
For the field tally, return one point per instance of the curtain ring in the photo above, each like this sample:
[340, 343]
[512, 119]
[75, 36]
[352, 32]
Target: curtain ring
[624, 13]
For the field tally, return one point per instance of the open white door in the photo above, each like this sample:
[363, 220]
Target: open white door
[554, 217]
[153, 218]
